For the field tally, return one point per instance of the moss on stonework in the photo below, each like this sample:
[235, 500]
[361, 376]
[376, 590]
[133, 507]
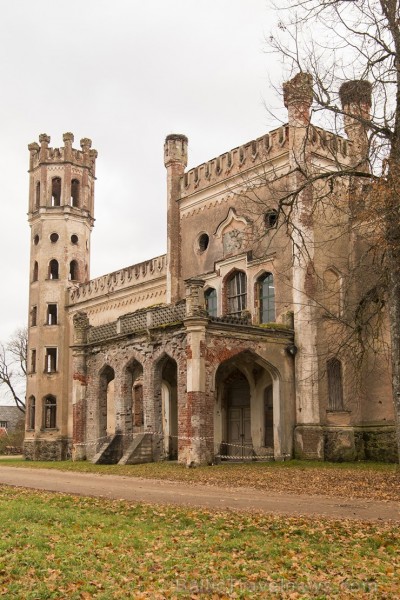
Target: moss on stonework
[273, 325]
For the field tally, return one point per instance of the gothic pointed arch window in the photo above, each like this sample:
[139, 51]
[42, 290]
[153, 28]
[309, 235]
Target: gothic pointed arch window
[210, 296]
[56, 191]
[50, 412]
[75, 189]
[237, 293]
[53, 269]
[266, 298]
[335, 384]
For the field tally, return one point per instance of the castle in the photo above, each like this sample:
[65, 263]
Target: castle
[221, 349]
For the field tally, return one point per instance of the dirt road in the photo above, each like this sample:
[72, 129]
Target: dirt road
[210, 497]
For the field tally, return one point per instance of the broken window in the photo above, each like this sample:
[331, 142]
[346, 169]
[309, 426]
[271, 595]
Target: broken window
[50, 412]
[35, 271]
[33, 361]
[271, 219]
[51, 314]
[53, 269]
[203, 242]
[34, 316]
[266, 296]
[50, 360]
[31, 412]
[73, 271]
[237, 293]
[75, 192]
[56, 191]
[211, 302]
[335, 384]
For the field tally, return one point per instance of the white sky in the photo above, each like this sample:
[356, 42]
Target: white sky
[125, 74]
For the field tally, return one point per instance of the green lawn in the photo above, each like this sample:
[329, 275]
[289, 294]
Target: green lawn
[59, 546]
[377, 481]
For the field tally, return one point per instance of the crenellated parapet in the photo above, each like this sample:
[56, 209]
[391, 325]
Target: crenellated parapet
[257, 152]
[119, 280]
[43, 154]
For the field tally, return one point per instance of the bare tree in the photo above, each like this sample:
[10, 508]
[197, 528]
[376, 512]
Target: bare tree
[13, 365]
[353, 51]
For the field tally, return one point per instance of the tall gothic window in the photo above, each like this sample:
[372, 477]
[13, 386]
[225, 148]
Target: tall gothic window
[56, 191]
[50, 412]
[266, 296]
[335, 384]
[31, 413]
[53, 269]
[237, 293]
[75, 192]
[211, 302]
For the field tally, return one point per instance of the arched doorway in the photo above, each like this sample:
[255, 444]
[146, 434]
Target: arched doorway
[247, 409]
[169, 406]
[238, 429]
[106, 415]
[133, 401]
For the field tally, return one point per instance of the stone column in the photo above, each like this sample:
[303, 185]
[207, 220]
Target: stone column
[198, 418]
[79, 385]
[298, 96]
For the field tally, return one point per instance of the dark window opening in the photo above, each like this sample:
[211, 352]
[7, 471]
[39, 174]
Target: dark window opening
[35, 273]
[50, 412]
[54, 237]
[74, 238]
[335, 384]
[36, 240]
[37, 195]
[203, 242]
[74, 192]
[237, 293]
[53, 269]
[33, 361]
[211, 302]
[73, 271]
[51, 360]
[31, 412]
[271, 219]
[56, 191]
[34, 316]
[267, 298]
[51, 314]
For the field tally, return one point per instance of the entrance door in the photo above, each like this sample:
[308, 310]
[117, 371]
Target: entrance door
[239, 423]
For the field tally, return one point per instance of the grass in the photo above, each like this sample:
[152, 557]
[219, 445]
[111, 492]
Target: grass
[56, 546]
[378, 481]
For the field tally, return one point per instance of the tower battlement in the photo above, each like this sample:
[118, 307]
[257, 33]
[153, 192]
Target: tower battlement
[42, 153]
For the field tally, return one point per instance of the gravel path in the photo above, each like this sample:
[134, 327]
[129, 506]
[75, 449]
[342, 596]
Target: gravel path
[202, 496]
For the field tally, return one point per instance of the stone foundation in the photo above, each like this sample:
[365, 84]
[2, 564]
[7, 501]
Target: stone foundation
[360, 443]
[48, 449]
[309, 442]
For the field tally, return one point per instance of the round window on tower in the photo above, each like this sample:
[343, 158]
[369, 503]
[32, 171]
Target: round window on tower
[36, 240]
[74, 238]
[54, 237]
[203, 242]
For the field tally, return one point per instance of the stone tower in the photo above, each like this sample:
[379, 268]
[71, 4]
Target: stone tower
[61, 198]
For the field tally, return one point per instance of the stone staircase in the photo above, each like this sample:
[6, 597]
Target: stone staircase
[140, 450]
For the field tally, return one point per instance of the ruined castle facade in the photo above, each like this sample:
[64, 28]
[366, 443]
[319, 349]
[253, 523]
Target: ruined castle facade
[221, 349]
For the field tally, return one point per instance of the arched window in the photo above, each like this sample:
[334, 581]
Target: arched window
[266, 297]
[237, 293]
[73, 274]
[50, 412]
[53, 269]
[34, 316]
[335, 384]
[31, 416]
[37, 195]
[75, 192]
[210, 297]
[56, 191]
[35, 273]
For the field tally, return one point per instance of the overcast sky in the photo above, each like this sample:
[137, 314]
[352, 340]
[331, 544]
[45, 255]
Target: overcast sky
[125, 74]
